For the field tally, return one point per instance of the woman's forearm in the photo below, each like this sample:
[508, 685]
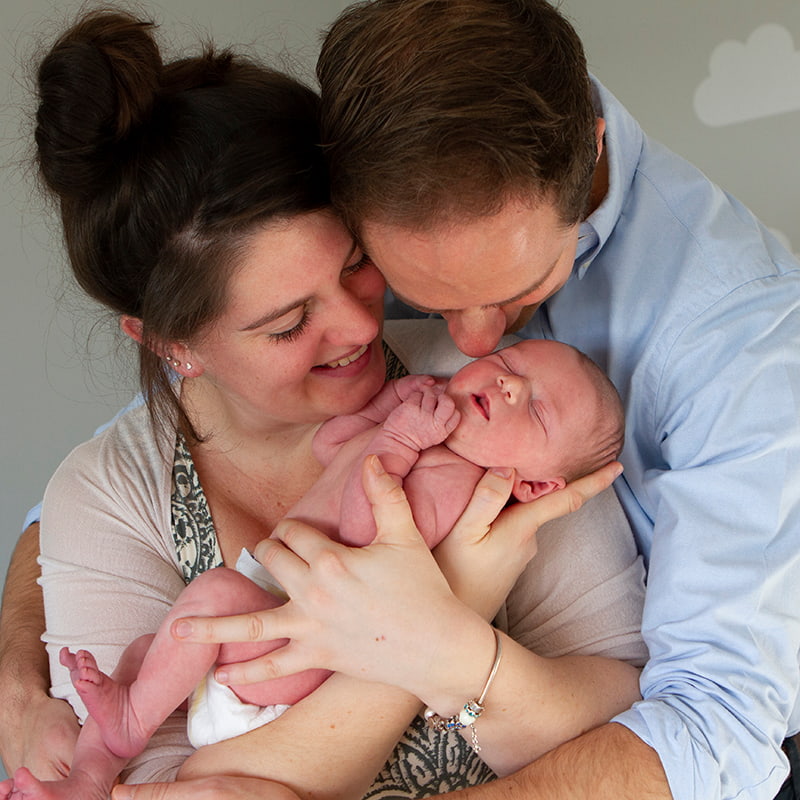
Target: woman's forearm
[330, 746]
[535, 703]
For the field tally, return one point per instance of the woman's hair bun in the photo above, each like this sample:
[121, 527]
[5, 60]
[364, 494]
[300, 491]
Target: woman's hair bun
[95, 85]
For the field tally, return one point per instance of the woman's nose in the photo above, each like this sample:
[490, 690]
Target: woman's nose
[355, 318]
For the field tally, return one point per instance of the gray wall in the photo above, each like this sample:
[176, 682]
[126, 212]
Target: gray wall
[716, 80]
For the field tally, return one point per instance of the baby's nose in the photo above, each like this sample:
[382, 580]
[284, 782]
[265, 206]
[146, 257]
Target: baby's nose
[511, 387]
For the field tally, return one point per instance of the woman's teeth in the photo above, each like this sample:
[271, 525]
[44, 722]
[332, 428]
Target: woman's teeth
[343, 362]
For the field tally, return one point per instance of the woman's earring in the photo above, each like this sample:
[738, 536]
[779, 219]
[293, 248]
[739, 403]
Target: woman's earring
[173, 362]
[188, 365]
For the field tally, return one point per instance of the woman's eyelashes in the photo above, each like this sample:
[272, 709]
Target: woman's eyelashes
[290, 334]
[362, 262]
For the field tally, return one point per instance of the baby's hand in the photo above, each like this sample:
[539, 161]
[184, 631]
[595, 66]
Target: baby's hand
[411, 384]
[424, 419]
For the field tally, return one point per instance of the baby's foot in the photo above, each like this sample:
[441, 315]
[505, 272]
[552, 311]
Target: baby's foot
[25, 786]
[108, 702]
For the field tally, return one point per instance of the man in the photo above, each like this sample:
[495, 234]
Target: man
[494, 183]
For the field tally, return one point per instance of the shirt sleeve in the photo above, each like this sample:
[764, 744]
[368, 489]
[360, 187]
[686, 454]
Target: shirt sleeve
[35, 514]
[720, 620]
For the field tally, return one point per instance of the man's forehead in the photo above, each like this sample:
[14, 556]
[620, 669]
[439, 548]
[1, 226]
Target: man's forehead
[484, 262]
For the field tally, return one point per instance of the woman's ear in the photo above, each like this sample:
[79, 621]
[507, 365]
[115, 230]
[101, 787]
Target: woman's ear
[131, 326]
[525, 491]
[177, 355]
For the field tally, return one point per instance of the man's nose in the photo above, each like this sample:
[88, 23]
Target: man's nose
[476, 331]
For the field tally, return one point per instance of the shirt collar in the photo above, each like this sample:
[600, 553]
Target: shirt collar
[623, 141]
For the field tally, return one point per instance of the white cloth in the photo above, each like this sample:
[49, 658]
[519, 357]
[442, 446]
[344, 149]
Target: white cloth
[215, 712]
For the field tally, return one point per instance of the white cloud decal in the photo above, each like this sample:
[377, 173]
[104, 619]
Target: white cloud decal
[760, 78]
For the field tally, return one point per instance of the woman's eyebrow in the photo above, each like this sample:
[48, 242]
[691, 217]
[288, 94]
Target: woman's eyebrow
[271, 316]
[277, 313]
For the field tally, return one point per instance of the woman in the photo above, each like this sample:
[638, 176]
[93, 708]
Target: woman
[193, 201]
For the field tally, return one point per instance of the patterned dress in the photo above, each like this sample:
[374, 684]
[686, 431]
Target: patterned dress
[425, 763]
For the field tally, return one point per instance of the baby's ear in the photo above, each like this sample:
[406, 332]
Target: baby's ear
[525, 491]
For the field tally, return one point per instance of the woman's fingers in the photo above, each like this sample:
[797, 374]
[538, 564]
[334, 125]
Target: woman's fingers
[488, 500]
[256, 626]
[279, 663]
[572, 496]
[390, 508]
[295, 538]
[490, 546]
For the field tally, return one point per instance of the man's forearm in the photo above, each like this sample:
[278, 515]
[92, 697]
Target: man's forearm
[608, 763]
[23, 660]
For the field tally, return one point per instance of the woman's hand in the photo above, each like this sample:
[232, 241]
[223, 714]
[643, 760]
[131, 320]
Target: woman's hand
[385, 612]
[381, 613]
[221, 787]
[489, 547]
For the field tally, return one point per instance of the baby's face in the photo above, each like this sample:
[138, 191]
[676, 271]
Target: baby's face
[525, 406]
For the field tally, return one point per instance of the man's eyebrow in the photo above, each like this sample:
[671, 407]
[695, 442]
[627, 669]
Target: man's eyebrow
[532, 288]
[277, 313]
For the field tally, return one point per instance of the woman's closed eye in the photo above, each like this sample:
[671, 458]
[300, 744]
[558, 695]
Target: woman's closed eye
[351, 269]
[295, 330]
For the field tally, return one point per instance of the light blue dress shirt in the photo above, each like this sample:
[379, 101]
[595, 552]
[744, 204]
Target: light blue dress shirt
[693, 309]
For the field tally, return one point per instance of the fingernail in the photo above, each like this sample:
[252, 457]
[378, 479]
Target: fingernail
[376, 466]
[619, 470]
[122, 792]
[182, 629]
[222, 676]
[502, 472]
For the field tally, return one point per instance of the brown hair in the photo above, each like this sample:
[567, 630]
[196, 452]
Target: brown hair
[435, 110]
[162, 171]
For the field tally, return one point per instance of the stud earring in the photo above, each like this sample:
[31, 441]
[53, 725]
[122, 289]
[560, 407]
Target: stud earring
[188, 365]
[172, 361]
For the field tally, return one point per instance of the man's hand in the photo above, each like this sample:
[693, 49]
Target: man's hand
[36, 731]
[221, 787]
[43, 739]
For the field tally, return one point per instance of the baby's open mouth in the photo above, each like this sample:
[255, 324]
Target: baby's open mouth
[482, 402]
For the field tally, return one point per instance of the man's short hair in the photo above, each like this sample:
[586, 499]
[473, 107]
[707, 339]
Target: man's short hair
[437, 110]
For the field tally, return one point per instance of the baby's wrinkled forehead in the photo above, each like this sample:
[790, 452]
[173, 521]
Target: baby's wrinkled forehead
[530, 352]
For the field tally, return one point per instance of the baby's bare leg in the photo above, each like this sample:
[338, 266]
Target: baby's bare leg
[129, 713]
